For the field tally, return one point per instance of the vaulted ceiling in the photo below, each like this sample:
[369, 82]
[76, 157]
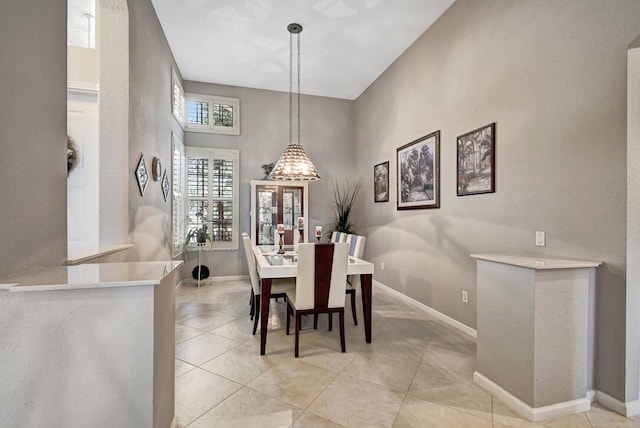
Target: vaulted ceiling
[345, 44]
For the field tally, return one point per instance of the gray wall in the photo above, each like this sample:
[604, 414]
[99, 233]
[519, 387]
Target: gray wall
[633, 222]
[114, 121]
[33, 134]
[552, 75]
[327, 137]
[150, 125]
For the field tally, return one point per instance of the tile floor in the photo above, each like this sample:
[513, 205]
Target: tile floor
[416, 373]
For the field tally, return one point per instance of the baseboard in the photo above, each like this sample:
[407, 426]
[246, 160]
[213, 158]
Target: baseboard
[442, 317]
[190, 282]
[627, 409]
[535, 414]
[229, 278]
[633, 408]
[174, 422]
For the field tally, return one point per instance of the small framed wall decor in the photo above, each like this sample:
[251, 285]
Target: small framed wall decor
[156, 169]
[381, 182]
[142, 175]
[418, 170]
[476, 161]
[165, 185]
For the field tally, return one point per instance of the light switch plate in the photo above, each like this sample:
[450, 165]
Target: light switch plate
[540, 238]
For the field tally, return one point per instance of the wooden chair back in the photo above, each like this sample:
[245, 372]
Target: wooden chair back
[322, 274]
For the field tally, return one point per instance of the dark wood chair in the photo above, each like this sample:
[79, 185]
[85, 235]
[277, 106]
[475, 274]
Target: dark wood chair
[320, 285]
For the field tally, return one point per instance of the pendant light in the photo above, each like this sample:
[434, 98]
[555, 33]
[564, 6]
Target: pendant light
[294, 164]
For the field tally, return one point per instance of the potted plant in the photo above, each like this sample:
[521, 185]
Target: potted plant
[200, 233]
[344, 199]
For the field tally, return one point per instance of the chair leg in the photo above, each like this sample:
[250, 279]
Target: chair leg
[252, 302]
[364, 305]
[288, 317]
[342, 344]
[256, 301]
[297, 315]
[330, 321]
[353, 307]
[315, 321]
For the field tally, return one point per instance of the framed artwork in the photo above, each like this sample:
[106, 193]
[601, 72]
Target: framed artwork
[381, 182]
[165, 185]
[476, 161]
[142, 175]
[418, 169]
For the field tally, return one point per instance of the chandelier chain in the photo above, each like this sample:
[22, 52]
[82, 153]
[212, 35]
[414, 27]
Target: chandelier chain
[299, 112]
[290, 88]
[294, 164]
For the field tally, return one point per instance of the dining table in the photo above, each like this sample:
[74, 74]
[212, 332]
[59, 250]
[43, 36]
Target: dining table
[272, 265]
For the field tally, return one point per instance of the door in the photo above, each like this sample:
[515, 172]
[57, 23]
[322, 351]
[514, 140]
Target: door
[83, 183]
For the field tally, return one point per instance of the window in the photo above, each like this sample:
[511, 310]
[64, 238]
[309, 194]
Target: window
[177, 200]
[212, 194]
[177, 99]
[81, 23]
[216, 115]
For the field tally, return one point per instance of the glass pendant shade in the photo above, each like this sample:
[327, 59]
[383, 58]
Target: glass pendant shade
[294, 164]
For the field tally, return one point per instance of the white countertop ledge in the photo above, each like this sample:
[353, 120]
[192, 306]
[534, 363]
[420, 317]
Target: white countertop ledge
[537, 262]
[92, 275]
[76, 255]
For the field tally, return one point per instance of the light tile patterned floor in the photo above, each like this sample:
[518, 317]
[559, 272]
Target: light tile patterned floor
[416, 373]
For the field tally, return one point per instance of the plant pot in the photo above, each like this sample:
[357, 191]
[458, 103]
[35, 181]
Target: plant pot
[201, 270]
[201, 237]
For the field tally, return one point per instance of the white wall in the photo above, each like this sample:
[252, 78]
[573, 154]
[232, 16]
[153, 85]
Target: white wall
[552, 75]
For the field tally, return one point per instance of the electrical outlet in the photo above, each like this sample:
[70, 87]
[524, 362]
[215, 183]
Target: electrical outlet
[540, 238]
[381, 265]
[465, 296]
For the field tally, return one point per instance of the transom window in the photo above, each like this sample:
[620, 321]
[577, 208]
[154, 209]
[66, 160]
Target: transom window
[216, 115]
[204, 113]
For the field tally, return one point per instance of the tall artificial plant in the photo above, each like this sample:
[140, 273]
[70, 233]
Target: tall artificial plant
[344, 199]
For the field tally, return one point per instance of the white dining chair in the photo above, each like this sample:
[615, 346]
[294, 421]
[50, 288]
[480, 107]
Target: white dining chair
[356, 249]
[251, 296]
[338, 237]
[320, 285]
[279, 287]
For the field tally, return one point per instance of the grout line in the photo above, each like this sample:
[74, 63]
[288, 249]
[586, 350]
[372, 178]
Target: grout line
[238, 317]
[493, 422]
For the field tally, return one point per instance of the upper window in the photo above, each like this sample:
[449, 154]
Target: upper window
[216, 115]
[81, 23]
[212, 194]
[177, 98]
